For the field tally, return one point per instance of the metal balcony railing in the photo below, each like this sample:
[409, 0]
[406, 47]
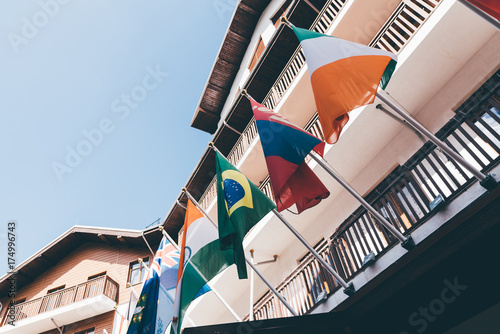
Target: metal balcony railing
[406, 19]
[404, 198]
[102, 285]
[408, 16]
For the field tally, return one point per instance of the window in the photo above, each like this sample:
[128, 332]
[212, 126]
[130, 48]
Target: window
[256, 54]
[137, 271]
[19, 301]
[96, 276]
[275, 18]
[87, 331]
[56, 289]
[51, 302]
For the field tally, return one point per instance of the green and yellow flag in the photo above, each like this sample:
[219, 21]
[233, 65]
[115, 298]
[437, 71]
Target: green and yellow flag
[240, 205]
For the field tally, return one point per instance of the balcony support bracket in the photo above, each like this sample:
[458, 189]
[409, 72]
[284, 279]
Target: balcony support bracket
[369, 260]
[408, 244]
[489, 183]
[350, 289]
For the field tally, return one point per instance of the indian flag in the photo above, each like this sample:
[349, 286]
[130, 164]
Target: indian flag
[344, 76]
[201, 260]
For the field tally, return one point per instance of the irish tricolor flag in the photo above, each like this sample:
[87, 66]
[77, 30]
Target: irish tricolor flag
[344, 76]
[201, 260]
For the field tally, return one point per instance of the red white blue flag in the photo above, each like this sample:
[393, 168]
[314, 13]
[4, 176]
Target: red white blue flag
[155, 305]
[285, 147]
[491, 7]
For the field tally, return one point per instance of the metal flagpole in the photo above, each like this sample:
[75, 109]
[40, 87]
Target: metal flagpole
[487, 181]
[406, 242]
[280, 297]
[493, 21]
[229, 308]
[348, 288]
[250, 314]
[252, 257]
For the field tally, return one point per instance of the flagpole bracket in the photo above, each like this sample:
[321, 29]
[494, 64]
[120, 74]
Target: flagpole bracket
[369, 259]
[349, 290]
[285, 20]
[489, 183]
[408, 244]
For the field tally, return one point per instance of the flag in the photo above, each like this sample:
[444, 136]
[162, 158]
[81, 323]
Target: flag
[240, 205]
[344, 76]
[490, 7]
[125, 318]
[201, 260]
[153, 312]
[285, 147]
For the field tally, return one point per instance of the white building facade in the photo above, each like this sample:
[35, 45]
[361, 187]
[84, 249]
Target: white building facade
[447, 78]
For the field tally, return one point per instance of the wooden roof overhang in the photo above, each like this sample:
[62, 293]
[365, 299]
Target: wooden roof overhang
[270, 65]
[49, 256]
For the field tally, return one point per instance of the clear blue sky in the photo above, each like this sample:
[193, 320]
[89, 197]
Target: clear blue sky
[96, 100]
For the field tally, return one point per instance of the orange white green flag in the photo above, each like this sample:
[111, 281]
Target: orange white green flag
[344, 76]
[201, 260]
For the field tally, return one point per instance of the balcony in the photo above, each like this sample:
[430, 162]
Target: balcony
[408, 198]
[394, 35]
[418, 177]
[63, 307]
[411, 197]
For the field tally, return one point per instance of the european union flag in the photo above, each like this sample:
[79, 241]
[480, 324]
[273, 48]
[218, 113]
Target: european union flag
[155, 305]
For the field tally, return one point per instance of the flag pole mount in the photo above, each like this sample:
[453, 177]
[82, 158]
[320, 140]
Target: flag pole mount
[285, 20]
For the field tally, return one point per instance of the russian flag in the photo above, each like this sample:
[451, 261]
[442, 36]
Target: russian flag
[285, 147]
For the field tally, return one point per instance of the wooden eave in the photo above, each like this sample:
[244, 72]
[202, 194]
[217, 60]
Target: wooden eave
[270, 65]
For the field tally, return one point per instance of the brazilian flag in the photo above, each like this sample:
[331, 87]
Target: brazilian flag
[240, 205]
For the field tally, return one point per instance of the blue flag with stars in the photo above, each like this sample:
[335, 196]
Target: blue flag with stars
[154, 309]
[240, 205]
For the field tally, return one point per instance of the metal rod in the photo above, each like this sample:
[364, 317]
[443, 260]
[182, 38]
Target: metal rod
[250, 316]
[229, 308]
[230, 127]
[312, 6]
[360, 199]
[147, 244]
[494, 22]
[275, 258]
[166, 235]
[280, 297]
[318, 257]
[436, 141]
[402, 121]
[246, 259]
[59, 328]
[180, 204]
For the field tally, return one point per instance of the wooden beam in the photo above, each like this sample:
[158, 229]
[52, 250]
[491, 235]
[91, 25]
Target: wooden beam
[123, 241]
[104, 238]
